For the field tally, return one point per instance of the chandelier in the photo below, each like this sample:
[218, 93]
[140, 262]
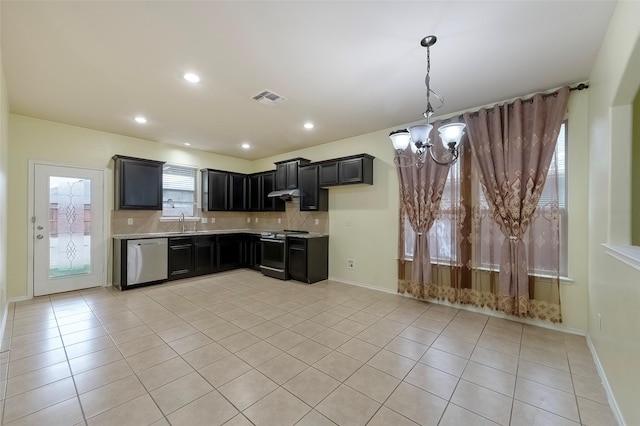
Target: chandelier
[417, 136]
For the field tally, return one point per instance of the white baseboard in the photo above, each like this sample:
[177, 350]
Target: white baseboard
[19, 299]
[615, 409]
[369, 286]
[3, 324]
[486, 311]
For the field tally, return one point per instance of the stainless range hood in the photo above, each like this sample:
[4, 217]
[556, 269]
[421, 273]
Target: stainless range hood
[285, 194]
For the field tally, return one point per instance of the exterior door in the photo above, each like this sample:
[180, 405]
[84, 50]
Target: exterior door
[68, 232]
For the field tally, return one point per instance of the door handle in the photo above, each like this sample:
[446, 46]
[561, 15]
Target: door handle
[39, 236]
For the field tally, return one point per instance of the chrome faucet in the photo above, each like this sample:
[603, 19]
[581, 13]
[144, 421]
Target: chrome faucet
[182, 221]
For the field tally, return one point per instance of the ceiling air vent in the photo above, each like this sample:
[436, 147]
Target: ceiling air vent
[268, 98]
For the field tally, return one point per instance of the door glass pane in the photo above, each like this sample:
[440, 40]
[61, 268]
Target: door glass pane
[69, 226]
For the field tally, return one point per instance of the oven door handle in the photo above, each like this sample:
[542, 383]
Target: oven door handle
[268, 240]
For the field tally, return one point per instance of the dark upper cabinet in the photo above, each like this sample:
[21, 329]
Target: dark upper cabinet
[259, 186]
[138, 183]
[215, 190]
[237, 192]
[312, 197]
[347, 170]
[270, 204]
[329, 174]
[223, 190]
[254, 193]
[287, 173]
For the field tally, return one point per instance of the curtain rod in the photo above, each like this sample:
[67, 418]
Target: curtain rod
[581, 86]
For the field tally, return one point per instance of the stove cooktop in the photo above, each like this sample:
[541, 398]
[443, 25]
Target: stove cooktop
[280, 235]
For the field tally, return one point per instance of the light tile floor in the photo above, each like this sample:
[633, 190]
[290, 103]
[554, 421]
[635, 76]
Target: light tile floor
[240, 349]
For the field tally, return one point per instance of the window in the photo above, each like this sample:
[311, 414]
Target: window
[445, 235]
[178, 191]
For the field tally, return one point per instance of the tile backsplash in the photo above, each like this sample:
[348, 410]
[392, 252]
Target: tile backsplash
[145, 221]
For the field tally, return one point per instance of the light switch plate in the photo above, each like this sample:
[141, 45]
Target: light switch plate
[204, 220]
[130, 221]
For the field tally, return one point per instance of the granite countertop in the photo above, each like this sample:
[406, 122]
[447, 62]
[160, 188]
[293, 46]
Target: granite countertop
[208, 232]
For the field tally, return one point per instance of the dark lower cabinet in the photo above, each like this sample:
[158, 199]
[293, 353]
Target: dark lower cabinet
[230, 250]
[180, 257]
[205, 255]
[253, 252]
[308, 259]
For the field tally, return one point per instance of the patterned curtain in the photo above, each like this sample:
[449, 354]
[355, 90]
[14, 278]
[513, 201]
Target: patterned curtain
[420, 194]
[465, 241]
[512, 146]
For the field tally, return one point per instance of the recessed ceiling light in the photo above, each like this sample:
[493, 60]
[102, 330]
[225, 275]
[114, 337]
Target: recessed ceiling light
[140, 119]
[308, 126]
[192, 78]
[186, 144]
[246, 146]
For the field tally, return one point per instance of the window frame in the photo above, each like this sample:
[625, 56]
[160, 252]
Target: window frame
[196, 201]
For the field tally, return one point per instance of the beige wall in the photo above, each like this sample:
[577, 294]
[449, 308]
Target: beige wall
[4, 142]
[614, 287]
[33, 139]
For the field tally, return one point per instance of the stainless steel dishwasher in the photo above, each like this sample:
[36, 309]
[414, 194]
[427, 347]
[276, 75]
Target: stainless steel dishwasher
[146, 261]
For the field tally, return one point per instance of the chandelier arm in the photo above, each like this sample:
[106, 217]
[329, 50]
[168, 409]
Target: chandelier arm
[454, 153]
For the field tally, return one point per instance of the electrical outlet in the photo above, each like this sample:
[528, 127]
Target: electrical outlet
[279, 220]
[130, 221]
[599, 322]
[317, 221]
[248, 220]
[351, 264]
[213, 220]
[256, 220]
[204, 220]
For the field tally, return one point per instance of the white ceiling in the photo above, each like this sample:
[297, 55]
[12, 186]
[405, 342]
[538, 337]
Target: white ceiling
[350, 67]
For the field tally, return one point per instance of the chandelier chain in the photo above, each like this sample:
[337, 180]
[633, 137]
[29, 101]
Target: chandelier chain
[427, 81]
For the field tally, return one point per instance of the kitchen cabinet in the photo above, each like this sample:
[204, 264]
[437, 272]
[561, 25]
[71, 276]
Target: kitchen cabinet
[346, 170]
[205, 254]
[253, 252]
[312, 197]
[181, 263]
[259, 186]
[230, 250]
[270, 204]
[214, 190]
[287, 173]
[238, 192]
[308, 259]
[138, 183]
[223, 191]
